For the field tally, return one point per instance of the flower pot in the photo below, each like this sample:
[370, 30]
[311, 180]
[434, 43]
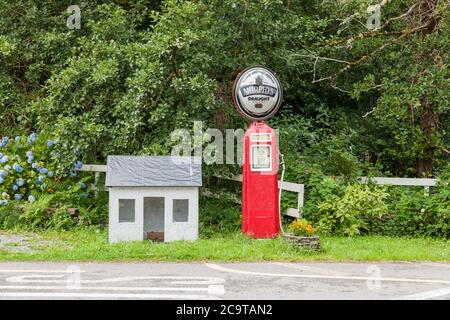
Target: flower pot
[312, 243]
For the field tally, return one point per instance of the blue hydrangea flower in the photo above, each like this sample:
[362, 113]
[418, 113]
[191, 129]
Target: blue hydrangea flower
[34, 165]
[50, 143]
[1, 145]
[4, 194]
[78, 165]
[17, 168]
[29, 154]
[3, 173]
[32, 138]
[41, 178]
[15, 187]
[2, 180]
[43, 170]
[73, 174]
[17, 138]
[30, 160]
[4, 159]
[20, 182]
[18, 196]
[5, 141]
[50, 174]
[31, 199]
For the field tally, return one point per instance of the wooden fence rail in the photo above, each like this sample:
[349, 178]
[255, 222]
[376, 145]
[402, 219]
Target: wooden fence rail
[286, 186]
[300, 188]
[416, 182]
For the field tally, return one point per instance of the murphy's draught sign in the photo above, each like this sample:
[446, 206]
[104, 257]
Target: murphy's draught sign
[257, 93]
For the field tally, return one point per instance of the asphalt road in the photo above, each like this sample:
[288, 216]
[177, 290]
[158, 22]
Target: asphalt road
[276, 280]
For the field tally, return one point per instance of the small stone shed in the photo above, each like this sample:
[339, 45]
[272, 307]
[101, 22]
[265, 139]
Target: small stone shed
[153, 197]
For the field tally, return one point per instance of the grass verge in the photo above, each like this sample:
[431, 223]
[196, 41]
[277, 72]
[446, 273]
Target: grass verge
[88, 245]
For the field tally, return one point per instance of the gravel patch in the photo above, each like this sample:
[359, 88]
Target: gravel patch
[23, 243]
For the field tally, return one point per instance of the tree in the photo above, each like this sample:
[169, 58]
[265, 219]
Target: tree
[124, 91]
[403, 64]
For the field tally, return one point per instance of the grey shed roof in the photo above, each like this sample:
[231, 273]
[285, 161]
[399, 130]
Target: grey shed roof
[134, 171]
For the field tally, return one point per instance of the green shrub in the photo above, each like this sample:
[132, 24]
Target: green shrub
[342, 206]
[219, 212]
[319, 188]
[360, 210]
[9, 215]
[416, 214]
[52, 210]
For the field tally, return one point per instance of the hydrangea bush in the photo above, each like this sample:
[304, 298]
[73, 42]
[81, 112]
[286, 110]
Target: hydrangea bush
[27, 168]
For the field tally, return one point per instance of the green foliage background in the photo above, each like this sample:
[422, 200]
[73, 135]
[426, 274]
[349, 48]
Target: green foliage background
[357, 101]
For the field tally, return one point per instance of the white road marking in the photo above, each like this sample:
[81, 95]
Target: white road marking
[103, 295]
[310, 276]
[43, 276]
[214, 289]
[180, 280]
[311, 269]
[426, 295]
[214, 286]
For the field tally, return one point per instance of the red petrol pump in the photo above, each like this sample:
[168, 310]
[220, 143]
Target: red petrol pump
[257, 94]
[260, 212]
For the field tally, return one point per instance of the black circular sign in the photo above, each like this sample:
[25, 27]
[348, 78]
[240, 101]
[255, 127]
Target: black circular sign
[257, 93]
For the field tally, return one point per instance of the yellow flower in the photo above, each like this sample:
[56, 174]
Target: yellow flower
[301, 227]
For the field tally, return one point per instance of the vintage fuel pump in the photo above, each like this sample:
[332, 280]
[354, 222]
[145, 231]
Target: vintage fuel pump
[257, 94]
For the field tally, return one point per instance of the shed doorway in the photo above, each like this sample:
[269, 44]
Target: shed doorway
[154, 218]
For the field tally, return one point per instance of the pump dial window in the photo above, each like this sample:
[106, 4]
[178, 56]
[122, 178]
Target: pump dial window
[261, 158]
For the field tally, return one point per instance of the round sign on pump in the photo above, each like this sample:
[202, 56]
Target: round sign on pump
[257, 93]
